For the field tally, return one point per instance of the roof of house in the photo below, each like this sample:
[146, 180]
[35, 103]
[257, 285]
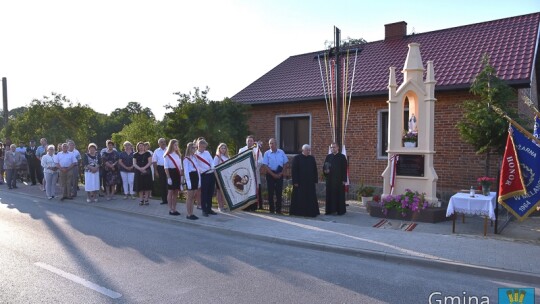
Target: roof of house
[456, 54]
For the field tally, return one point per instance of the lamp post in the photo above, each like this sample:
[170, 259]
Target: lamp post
[5, 100]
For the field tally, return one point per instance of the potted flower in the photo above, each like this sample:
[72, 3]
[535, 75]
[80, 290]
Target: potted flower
[365, 194]
[402, 203]
[410, 139]
[485, 182]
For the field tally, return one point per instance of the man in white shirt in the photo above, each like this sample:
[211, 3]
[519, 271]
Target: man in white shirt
[205, 164]
[77, 154]
[276, 162]
[66, 162]
[258, 157]
[159, 169]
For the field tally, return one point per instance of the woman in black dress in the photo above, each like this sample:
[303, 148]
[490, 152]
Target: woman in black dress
[110, 167]
[143, 174]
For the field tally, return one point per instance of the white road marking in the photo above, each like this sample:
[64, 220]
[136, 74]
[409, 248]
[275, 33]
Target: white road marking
[78, 280]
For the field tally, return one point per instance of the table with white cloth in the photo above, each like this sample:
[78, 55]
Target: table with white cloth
[480, 204]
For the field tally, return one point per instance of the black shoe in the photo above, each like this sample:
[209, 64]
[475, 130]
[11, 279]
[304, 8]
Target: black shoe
[10, 188]
[174, 213]
[279, 213]
[163, 203]
[192, 217]
[205, 214]
[212, 212]
[15, 187]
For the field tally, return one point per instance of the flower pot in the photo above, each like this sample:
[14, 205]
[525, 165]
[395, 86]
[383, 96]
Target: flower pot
[485, 190]
[366, 200]
[409, 144]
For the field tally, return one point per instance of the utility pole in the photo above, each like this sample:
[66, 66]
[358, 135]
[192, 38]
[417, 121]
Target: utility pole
[339, 109]
[4, 95]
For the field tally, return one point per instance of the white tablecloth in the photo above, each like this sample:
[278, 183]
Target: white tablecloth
[477, 205]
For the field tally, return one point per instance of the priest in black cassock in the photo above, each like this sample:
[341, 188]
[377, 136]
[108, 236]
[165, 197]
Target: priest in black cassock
[304, 178]
[335, 170]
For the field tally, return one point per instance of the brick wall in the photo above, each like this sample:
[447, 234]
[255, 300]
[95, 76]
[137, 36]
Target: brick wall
[456, 163]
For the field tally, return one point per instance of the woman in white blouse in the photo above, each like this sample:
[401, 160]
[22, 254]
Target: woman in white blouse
[172, 164]
[222, 155]
[50, 170]
[193, 179]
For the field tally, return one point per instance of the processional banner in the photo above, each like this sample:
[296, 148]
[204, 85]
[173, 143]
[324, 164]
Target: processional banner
[238, 181]
[521, 168]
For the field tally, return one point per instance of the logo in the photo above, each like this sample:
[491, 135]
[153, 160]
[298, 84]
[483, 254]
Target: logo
[516, 296]
[240, 180]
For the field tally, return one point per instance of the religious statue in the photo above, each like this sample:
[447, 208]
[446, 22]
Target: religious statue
[412, 123]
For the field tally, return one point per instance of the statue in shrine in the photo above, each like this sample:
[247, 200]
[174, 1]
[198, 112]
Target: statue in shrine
[412, 124]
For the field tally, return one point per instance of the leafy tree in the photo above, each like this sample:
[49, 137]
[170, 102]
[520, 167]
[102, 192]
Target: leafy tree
[217, 121]
[54, 117]
[480, 126]
[142, 128]
[345, 43]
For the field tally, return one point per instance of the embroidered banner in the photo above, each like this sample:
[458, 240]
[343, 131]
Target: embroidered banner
[511, 182]
[528, 158]
[237, 180]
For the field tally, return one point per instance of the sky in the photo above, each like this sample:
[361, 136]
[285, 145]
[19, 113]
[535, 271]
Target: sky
[106, 53]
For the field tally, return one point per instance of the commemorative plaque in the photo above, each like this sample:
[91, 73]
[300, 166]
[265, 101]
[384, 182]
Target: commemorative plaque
[410, 165]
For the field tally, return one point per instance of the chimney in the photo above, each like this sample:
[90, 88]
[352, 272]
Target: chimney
[396, 30]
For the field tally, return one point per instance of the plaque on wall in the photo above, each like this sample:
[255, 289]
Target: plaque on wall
[410, 165]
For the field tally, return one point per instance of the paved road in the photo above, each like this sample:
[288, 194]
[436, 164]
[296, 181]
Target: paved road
[54, 252]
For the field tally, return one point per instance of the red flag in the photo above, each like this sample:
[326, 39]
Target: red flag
[510, 181]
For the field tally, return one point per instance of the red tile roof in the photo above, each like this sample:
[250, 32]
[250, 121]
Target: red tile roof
[456, 54]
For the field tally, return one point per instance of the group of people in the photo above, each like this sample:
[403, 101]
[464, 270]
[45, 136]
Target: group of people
[274, 162]
[136, 167]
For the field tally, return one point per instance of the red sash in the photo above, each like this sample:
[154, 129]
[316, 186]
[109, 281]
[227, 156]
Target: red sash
[221, 159]
[203, 160]
[192, 162]
[172, 159]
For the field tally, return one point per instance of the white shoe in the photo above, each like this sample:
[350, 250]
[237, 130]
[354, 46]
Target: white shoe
[95, 200]
[88, 200]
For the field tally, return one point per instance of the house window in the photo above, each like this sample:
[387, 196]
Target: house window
[294, 131]
[382, 136]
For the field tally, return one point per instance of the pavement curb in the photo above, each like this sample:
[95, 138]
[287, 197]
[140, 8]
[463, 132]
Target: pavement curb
[485, 271]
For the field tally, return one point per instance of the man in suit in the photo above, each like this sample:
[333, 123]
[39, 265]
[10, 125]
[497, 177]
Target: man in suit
[33, 162]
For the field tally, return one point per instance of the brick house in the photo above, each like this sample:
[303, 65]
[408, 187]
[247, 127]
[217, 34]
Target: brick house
[288, 101]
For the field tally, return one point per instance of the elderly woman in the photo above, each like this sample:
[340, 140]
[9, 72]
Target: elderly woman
[50, 169]
[127, 171]
[143, 174]
[110, 169]
[91, 163]
[12, 161]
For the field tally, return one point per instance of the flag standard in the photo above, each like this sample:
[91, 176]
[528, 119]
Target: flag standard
[510, 181]
[237, 180]
[527, 157]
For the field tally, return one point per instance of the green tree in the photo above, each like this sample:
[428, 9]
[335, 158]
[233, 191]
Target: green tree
[217, 121]
[480, 126]
[142, 128]
[54, 117]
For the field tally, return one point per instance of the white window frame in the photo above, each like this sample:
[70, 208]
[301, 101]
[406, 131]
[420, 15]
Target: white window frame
[379, 133]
